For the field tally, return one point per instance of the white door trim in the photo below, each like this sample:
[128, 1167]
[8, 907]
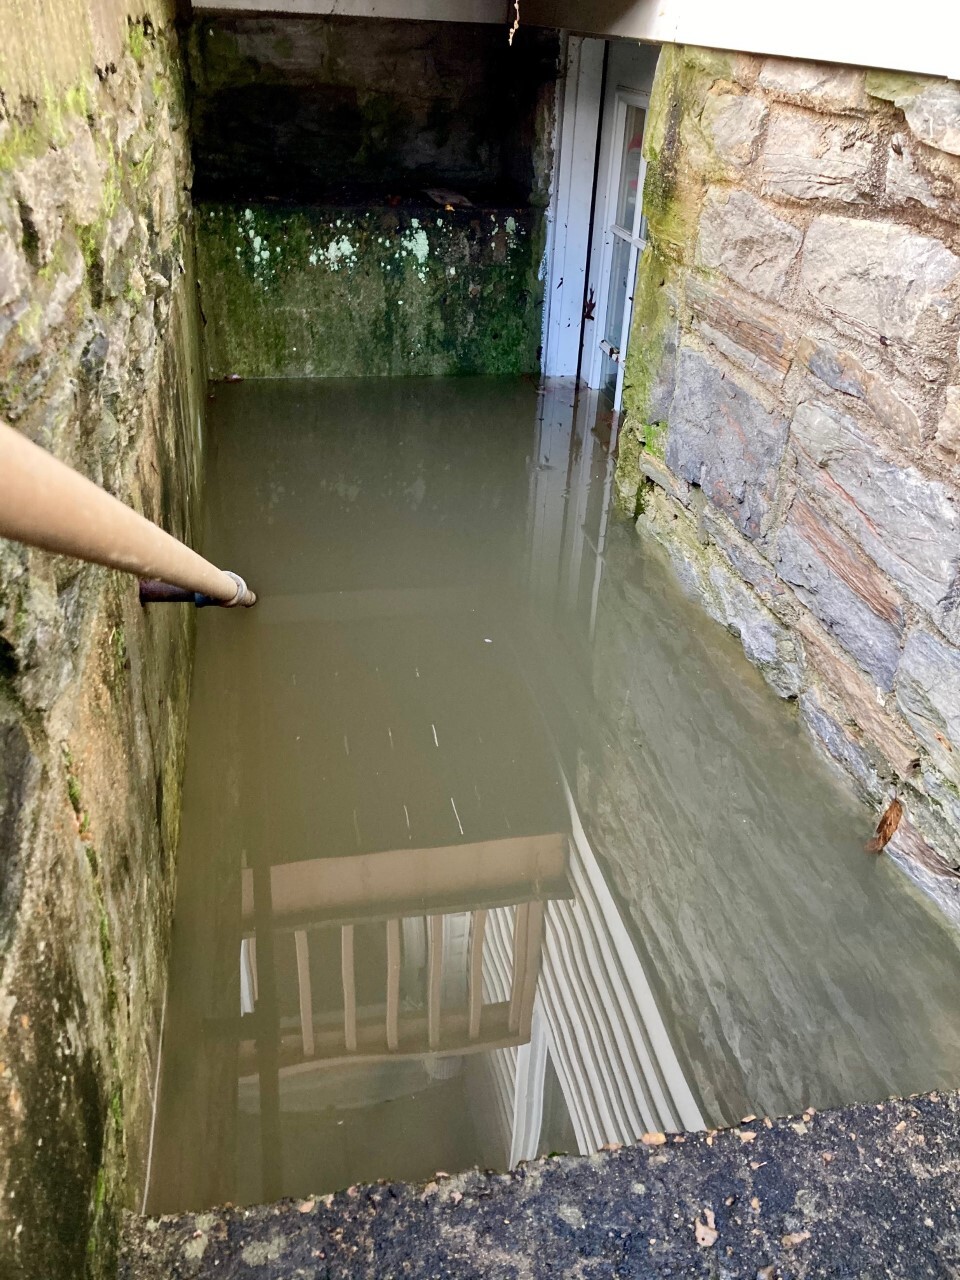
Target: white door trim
[619, 98]
[569, 213]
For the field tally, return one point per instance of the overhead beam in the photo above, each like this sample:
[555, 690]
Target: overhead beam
[818, 30]
[416, 10]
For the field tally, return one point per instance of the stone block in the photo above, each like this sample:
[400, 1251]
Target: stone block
[13, 264]
[753, 567]
[740, 236]
[82, 176]
[843, 372]
[808, 157]
[886, 279]
[721, 438]
[652, 468]
[55, 300]
[928, 694]
[841, 745]
[934, 116]
[766, 642]
[917, 175]
[760, 338]
[837, 88]
[894, 86]
[858, 697]
[947, 438]
[907, 524]
[942, 814]
[928, 869]
[733, 123]
[843, 590]
[707, 576]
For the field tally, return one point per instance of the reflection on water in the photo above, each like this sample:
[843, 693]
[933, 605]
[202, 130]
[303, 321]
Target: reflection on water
[492, 844]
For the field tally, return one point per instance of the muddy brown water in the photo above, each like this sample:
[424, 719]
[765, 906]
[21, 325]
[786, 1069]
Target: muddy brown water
[493, 844]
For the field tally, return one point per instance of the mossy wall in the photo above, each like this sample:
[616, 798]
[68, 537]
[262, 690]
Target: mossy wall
[100, 364]
[316, 142]
[792, 431]
[337, 292]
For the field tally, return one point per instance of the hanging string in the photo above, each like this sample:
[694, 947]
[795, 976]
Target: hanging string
[516, 21]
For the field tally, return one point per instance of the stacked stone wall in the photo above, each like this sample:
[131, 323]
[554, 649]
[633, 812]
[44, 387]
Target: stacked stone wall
[100, 364]
[792, 399]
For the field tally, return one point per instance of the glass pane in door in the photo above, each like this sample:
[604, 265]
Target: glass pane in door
[630, 167]
[618, 290]
[619, 294]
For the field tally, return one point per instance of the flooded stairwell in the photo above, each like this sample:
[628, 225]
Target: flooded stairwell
[492, 898]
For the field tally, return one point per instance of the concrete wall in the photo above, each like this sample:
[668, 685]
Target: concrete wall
[100, 363]
[793, 409]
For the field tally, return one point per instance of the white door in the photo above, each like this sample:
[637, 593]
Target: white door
[596, 232]
[618, 228]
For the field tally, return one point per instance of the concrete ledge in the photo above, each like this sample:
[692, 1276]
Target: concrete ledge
[869, 1191]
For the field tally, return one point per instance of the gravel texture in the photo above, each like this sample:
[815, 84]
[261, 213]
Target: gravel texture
[863, 1191]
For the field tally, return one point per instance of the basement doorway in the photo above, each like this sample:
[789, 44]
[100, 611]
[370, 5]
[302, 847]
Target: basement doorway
[604, 100]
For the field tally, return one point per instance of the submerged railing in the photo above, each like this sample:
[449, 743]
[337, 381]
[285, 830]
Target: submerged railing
[386, 1030]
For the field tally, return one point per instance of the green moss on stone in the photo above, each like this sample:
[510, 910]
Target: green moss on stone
[137, 41]
[894, 86]
[672, 198]
[652, 319]
[25, 139]
[73, 791]
[655, 438]
[324, 292]
[627, 477]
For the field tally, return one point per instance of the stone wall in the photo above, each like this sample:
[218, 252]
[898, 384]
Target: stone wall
[345, 292]
[338, 109]
[792, 423]
[316, 142]
[99, 363]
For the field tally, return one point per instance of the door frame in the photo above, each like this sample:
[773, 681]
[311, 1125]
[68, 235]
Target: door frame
[568, 215]
[612, 154]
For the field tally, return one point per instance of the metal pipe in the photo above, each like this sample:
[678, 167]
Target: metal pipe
[46, 504]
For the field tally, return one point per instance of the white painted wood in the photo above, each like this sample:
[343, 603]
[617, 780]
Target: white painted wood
[630, 70]
[349, 981]
[248, 976]
[417, 10]
[520, 926]
[579, 106]
[434, 980]
[530, 1078]
[880, 34]
[393, 984]
[306, 992]
[476, 971]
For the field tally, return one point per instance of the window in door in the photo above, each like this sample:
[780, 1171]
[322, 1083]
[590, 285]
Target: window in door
[624, 235]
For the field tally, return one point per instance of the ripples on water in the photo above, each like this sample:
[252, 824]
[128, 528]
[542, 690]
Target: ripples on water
[493, 844]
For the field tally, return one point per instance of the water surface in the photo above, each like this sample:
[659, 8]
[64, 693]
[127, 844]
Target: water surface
[493, 844]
